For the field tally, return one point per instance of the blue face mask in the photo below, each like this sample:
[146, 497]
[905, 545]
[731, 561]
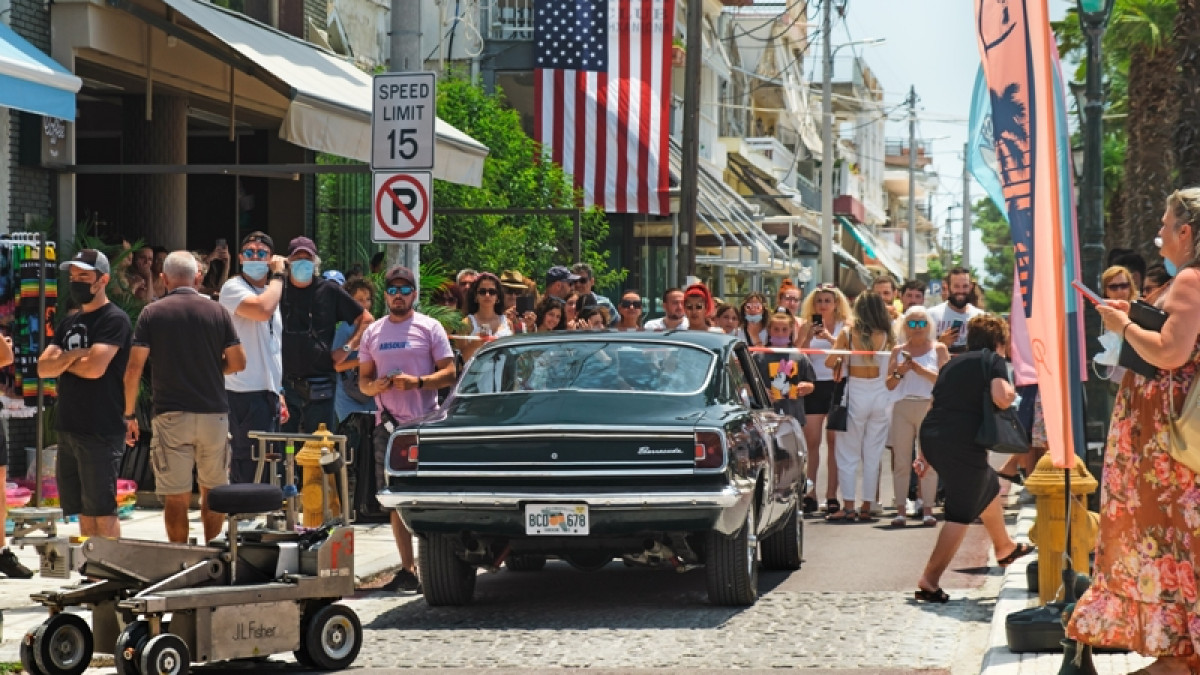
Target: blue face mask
[302, 271]
[1172, 268]
[255, 269]
[753, 318]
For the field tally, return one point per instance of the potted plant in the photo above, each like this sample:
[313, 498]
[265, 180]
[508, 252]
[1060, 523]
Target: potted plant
[678, 52]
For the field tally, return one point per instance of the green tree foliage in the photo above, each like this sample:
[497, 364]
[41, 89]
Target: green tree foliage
[514, 176]
[998, 265]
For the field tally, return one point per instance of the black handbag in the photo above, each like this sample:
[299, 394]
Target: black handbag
[838, 418]
[1000, 431]
[314, 389]
[350, 386]
[1151, 318]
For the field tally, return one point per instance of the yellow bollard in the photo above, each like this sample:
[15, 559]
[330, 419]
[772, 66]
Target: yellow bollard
[311, 502]
[1049, 531]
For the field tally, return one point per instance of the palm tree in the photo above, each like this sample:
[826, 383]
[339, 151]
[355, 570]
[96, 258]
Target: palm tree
[1143, 124]
[1187, 127]
[1009, 117]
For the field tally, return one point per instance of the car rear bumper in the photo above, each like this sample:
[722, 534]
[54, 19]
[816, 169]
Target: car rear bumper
[726, 497]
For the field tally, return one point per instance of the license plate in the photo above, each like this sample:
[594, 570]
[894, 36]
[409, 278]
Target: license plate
[560, 519]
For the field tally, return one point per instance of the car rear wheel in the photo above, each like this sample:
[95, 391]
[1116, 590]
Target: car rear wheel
[445, 578]
[731, 565]
[525, 562]
[784, 549]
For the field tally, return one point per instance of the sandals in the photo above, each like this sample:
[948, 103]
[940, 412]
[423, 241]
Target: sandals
[939, 596]
[809, 504]
[1020, 551]
[832, 506]
[842, 516]
[929, 521]
[899, 521]
[1016, 479]
[866, 517]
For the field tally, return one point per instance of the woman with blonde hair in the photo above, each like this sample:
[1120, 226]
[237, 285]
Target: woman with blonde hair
[824, 315]
[868, 404]
[1117, 284]
[1143, 595]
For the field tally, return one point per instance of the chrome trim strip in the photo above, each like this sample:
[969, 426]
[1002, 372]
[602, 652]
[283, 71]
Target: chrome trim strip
[518, 433]
[424, 473]
[724, 498]
[560, 431]
[624, 462]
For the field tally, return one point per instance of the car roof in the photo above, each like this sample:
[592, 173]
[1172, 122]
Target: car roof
[712, 341]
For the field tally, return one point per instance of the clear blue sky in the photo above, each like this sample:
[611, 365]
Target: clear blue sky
[930, 45]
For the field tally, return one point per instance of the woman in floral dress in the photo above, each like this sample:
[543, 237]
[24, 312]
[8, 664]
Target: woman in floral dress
[1144, 595]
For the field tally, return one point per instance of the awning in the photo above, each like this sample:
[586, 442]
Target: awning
[330, 109]
[32, 81]
[872, 250]
[723, 212]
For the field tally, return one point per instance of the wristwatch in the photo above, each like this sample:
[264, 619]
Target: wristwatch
[346, 348]
[278, 275]
[896, 375]
[130, 417]
[420, 383]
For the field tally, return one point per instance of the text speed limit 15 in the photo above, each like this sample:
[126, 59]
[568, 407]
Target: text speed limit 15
[403, 117]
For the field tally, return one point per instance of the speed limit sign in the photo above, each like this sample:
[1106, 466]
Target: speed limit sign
[402, 121]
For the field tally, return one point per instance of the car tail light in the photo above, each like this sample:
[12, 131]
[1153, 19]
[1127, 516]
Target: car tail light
[402, 453]
[710, 450]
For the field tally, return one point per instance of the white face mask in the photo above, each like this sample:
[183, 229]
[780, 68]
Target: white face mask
[1112, 349]
[753, 318]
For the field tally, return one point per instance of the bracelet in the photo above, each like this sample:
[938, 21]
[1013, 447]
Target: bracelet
[130, 417]
[278, 275]
[1125, 330]
[420, 383]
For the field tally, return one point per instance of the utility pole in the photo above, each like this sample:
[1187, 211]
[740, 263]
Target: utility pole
[912, 183]
[828, 274]
[405, 55]
[966, 209]
[690, 180]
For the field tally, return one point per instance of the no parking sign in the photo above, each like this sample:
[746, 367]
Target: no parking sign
[403, 208]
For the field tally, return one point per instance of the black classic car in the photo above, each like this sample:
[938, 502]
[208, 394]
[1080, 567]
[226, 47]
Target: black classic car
[660, 449]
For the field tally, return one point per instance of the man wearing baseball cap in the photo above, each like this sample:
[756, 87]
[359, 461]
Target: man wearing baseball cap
[312, 308]
[404, 358]
[256, 393]
[88, 355]
[558, 282]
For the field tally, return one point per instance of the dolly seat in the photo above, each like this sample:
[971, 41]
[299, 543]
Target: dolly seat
[245, 498]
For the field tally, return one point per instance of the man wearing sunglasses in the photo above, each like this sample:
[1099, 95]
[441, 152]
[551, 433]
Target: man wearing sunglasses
[403, 359]
[586, 283]
[256, 393]
[312, 308]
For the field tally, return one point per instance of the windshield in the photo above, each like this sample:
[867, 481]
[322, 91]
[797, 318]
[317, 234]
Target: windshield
[592, 365]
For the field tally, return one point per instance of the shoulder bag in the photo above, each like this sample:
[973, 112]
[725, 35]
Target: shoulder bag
[1184, 442]
[838, 418]
[1000, 431]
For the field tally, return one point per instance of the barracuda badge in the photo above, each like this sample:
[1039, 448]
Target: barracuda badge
[647, 450]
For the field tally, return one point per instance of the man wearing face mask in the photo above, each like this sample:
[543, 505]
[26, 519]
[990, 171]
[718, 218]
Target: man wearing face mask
[88, 355]
[950, 318]
[256, 393]
[312, 307]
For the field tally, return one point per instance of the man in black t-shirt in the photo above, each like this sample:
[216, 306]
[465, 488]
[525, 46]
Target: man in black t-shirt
[88, 354]
[195, 346]
[312, 308]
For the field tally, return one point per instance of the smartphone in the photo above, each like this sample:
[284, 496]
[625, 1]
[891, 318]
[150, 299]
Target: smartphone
[957, 324]
[905, 356]
[1088, 293]
[221, 243]
[817, 320]
[525, 303]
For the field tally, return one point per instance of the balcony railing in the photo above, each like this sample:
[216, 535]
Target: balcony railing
[508, 19]
[810, 194]
[782, 159]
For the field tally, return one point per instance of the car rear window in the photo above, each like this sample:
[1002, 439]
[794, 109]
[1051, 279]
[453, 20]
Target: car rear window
[591, 365]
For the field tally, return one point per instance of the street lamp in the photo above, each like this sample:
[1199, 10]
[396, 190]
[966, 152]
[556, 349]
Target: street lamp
[827, 270]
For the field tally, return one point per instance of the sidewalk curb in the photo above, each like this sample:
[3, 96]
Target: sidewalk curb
[1014, 596]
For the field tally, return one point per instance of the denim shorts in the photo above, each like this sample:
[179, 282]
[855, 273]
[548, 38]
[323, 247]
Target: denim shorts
[87, 469]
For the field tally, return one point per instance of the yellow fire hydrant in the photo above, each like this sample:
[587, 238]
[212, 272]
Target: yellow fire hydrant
[311, 499]
[1049, 531]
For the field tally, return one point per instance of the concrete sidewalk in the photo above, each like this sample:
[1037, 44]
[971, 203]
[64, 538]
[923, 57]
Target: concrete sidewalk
[374, 554]
[1014, 596]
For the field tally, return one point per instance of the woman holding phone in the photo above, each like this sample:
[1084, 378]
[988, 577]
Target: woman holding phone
[830, 311]
[1143, 595]
[484, 319]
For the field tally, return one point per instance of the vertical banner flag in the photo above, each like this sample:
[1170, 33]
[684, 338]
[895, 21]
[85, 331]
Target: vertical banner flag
[1016, 47]
[602, 85]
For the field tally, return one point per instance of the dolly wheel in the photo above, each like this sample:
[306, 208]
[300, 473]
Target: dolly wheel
[28, 660]
[62, 645]
[165, 654]
[127, 654]
[332, 638]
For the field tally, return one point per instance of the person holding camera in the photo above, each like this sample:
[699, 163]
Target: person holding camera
[950, 318]
[912, 370]
[403, 359]
[312, 308]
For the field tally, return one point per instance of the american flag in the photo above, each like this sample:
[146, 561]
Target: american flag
[602, 86]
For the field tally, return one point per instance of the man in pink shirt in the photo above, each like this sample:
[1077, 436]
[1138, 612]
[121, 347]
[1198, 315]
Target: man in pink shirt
[404, 358]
